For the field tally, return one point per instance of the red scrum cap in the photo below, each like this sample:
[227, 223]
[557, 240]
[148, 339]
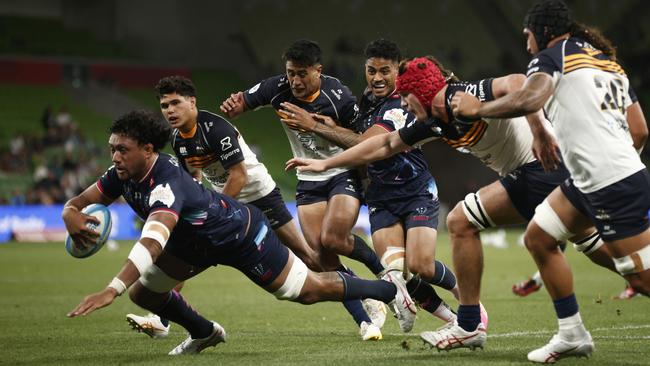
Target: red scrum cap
[423, 79]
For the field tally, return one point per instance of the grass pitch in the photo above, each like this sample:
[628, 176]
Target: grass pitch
[41, 282]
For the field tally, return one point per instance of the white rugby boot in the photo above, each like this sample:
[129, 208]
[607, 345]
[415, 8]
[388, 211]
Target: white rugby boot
[376, 310]
[149, 324]
[192, 346]
[452, 336]
[558, 349]
[369, 332]
[404, 306]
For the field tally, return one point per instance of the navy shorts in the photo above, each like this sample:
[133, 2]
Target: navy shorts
[273, 207]
[308, 192]
[260, 255]
[418, 210]
[528, 186]
[619, 210]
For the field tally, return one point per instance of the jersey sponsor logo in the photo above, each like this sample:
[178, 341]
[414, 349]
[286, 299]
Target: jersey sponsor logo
[173, 161]
[532, 70]
[229, 154]
[162, 193]
[481, 90]
[471, 89]
[225, 143]
[208, 125]
[254, 89]
[397, 116]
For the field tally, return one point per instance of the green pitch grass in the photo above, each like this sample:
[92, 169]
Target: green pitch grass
[40, 282]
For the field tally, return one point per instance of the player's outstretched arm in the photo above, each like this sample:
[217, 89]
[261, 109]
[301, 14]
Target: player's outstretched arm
[76, 222]
[375, 148]
[324, 126]
[638, 127]
[154, 237]
[234, 105]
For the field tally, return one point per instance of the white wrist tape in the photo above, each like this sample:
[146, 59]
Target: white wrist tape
[156, 231]
[635, 262]
[140, 257]
[118, 285]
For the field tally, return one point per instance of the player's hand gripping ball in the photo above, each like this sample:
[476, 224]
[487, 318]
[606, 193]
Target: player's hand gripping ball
[102, 214]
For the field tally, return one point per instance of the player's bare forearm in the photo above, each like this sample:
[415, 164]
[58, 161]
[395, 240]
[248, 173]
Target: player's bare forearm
[375, 148]
[343, 137]
[531, 98]
[237, 179]
[637, 125]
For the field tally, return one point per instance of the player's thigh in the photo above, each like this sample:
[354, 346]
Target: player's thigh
[391, 236]
[341, 215]
[622, 247]
[311, 221]
[572, 218]
[498, 205]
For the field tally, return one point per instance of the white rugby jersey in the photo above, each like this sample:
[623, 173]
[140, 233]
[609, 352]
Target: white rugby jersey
[214, 146]
[588, 112]
[333, 99]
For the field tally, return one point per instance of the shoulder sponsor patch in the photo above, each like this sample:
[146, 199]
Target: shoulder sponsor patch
[225, 143]
[162, 193]
[397, 116]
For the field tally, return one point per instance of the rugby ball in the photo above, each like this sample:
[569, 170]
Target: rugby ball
[102, 213]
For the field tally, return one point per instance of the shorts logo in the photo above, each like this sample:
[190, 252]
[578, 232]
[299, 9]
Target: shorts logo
[421, 210]
[601, 214]
[225, 143]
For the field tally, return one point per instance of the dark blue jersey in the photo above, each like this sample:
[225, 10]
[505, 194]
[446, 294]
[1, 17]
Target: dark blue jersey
[401, 174]
[333, 99]
[168, 187]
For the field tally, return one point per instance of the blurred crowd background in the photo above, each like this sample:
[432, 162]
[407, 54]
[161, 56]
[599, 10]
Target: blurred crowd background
[68, 67]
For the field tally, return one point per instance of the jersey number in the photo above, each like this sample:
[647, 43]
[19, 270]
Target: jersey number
[614, 94]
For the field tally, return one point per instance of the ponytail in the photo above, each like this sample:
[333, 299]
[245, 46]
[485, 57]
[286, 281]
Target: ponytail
[595, 38]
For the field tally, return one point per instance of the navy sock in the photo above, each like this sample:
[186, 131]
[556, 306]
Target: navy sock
[443, 277]
[179, 311]
[566, 306]
[469, 317]
[424, 294]
[361, 252]
[355, 308]
[357, 288]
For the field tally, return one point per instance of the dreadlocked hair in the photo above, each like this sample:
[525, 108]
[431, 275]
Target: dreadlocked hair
[595, 37]
[449, 76]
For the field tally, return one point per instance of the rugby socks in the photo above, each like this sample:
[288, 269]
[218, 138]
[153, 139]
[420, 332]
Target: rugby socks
[354, 306]
[469, 317]
[357, 288]
[443, 277]
[429, 300]
[179, 311]
[361, 252]
[568, 317]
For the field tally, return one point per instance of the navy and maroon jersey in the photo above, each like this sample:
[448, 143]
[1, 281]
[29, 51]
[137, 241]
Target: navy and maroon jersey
[168, 187]
[333, 99]
[215, 145]
[399, 175]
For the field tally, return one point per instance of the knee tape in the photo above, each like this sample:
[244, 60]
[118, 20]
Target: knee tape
[475, 212]
[636, 262]
[157, 281]
[550, 222]
[589, 244]
[393, 258]
[290, 289]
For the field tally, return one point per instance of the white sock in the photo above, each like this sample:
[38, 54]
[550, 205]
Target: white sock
[444, 313]
[572, 328]
[537, 277]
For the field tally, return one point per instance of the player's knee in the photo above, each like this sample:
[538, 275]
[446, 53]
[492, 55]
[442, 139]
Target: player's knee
[334, 242]
[422, 266]
[457, 222]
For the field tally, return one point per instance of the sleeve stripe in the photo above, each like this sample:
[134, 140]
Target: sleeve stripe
[165, 209]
